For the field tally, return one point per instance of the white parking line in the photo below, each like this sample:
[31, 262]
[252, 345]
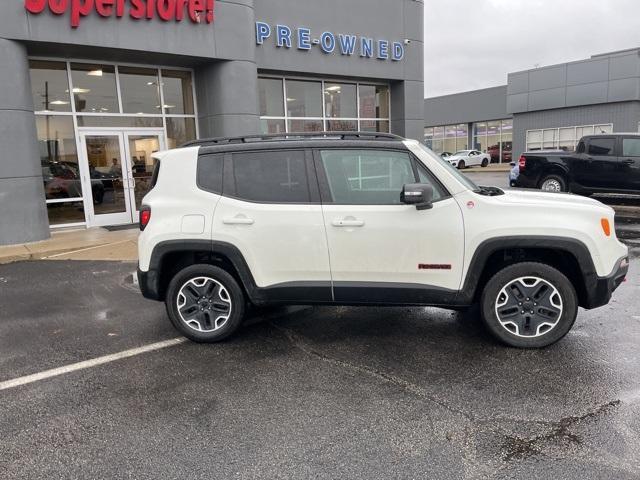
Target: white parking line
[36, 377]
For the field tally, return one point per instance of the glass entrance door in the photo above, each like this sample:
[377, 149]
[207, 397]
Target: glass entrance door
[118, 173]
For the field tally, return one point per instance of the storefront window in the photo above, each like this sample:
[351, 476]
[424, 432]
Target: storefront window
[94, 88]
[60, 169]
[271, 98]
[177, 86]
[494, 138]
[50, 86]
[315, 106]
[180, 131]
[119, 121]
[341, 100]
[564, 138]
[448, 138]
[304, 99]
[374, 101]
[140, 90]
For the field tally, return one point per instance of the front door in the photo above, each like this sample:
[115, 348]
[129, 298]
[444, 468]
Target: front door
[118, 169]
[598, 166]
[380, 249]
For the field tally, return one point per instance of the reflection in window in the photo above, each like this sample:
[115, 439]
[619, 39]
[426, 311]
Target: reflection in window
[304, 99]
[271, 97]
[302, 126]
[178, 92]
[94, 88]
[374, 101]
[180, 131]
[139, 88]
[341, 100]
[50, 86]
[342, 125]
[66, 212]
[272, 126]
[58, 157]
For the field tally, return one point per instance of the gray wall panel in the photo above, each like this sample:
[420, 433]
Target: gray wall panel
[624, 67]
[587, 94]
[476, 106]
[593, 70]
[545, 99]
[548, 78]
[23, 216]
[518, 103]
[518, 83]
[624, 89]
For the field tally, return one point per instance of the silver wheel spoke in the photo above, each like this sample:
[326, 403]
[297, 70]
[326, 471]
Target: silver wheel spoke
[204, 304]
[529, 307]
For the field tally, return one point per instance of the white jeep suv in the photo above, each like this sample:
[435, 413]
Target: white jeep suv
[365, 219]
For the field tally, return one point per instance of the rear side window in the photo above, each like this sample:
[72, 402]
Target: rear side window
[367, 177]
[156, 172]
[602, 146]
[271, 177]
[210, 173]
[631, 147]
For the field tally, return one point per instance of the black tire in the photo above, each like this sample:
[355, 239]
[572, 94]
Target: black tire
[553, 179]
[484, 163]
[461, 164]
[544, 334]
[211, 326]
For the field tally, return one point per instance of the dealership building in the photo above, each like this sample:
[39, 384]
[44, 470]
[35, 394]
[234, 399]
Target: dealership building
[92, 88]
[543, 108]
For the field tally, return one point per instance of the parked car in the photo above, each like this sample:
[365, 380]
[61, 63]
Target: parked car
[62, 180]
[469, 158]
[494, 153]
[606, 163]
[365, 219]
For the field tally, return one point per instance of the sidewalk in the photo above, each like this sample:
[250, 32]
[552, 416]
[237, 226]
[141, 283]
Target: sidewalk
[84, 244]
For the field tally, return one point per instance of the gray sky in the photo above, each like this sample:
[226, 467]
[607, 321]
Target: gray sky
[472, 44]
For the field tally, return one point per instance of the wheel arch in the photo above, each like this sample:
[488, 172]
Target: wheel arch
[168, 258]
[569, 256]
[555, 169]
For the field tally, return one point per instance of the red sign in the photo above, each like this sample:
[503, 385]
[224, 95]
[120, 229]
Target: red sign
[166, 10]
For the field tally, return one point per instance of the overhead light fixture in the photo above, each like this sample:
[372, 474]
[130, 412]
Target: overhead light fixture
[291, 99]
[169, 106]
[59, 102]
[95, 73]
[80, 90]
[334, 88]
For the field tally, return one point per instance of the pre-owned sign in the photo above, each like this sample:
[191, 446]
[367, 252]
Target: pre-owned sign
[197, 11]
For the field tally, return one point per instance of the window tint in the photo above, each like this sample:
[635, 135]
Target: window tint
[276, 177]
[631, 147]
[367, 177]
[602, 146]
[580, 148]
[210, 172]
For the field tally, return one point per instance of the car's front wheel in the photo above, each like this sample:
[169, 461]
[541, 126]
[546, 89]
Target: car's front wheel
[484, 163]
[553, 183]
[461, 164]
[205, 303]
[529, 305]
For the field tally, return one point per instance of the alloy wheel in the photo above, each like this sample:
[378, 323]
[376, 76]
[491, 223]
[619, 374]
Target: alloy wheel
[551, 185]
[529, 307]
[204, 304]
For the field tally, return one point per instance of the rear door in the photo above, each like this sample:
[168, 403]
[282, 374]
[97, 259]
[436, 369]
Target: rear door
[270, 210]
[383, 251]
[597, 167]
[630, 163]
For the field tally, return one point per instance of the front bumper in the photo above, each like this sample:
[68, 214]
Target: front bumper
[600, 292]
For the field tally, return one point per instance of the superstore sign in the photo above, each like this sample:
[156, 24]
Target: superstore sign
[302, 38]
[198, 11]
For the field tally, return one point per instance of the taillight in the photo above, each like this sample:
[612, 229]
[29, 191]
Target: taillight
[145, 217]
[522, 162]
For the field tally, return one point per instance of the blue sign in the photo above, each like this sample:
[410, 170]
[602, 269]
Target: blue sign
[302, 38]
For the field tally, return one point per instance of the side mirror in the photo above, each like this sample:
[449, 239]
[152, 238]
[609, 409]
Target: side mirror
[418, 194]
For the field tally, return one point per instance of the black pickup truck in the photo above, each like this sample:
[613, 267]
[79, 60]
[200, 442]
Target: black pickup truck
[601, 164]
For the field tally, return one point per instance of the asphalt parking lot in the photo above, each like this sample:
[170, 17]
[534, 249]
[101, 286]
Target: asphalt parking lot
[305, 393]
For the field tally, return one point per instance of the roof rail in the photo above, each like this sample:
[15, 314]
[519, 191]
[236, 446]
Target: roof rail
[279, 137]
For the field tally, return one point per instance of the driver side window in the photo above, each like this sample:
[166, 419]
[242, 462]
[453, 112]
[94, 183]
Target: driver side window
[366, 177]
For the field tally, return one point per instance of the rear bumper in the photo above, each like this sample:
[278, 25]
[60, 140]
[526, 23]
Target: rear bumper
[149, 283]
[603, 287]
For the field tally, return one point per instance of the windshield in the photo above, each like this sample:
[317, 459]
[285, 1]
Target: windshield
[453, 170]
[462, 152]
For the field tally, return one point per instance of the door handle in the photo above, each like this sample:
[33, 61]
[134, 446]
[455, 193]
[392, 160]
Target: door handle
[238, 220]
[348, 222]
[629, 161]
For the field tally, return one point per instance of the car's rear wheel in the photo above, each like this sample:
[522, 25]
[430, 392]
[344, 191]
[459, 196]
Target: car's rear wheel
[484, 163]
[529, 305]
[205, 303]
[553, 183]
[461, 164]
